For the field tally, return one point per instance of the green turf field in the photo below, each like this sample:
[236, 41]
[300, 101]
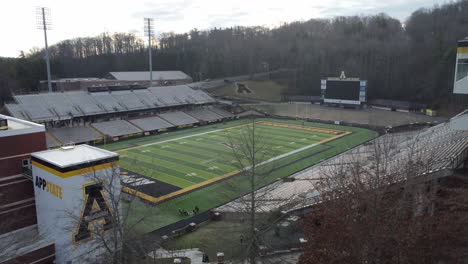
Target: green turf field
[198, 157]
[195, 150]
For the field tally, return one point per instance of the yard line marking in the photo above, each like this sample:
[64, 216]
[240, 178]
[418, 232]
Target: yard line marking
[162, 198]
[208, 161]
[174, 139]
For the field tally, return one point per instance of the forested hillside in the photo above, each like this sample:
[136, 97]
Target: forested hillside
[413, 60]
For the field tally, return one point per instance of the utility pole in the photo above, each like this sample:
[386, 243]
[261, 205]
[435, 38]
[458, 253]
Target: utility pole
[149, 30]
[254, 246]
[44, 23]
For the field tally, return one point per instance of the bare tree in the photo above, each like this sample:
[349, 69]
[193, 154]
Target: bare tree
[113, 238]
[251, 154]
[377, 205]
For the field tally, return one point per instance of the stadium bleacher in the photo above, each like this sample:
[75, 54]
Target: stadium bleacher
[17, 111]
[65, 106]
[80, 134]
[221, 112]
[116, 128]
[168, 96]
[178, 118]
[148, 98]
[436, 148]
[51, 142]
[35, 108]
[109, 102]
[86, 103]
[129, 100]
[151, 123]
[204, 115]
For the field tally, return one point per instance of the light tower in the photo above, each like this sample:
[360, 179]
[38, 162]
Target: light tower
[44, 23]
[149, 30]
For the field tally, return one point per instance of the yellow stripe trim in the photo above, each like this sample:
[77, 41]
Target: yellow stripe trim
[307, 128]
[69, 174]
[462, 50]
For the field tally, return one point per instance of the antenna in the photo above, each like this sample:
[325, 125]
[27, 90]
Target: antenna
[44, 23]
[149, 31]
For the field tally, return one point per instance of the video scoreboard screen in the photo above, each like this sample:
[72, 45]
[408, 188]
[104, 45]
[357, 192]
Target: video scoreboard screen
[343, 90]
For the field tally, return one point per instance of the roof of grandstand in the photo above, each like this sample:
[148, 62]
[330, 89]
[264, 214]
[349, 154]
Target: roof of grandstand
[67, 105]
[144, 75]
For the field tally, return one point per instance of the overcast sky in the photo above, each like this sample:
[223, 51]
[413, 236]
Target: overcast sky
[80, 18]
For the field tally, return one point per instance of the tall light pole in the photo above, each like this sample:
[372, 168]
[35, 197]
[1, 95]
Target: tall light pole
[44, 23]
[149, 30]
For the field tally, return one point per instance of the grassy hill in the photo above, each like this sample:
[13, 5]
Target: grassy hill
[259, 90]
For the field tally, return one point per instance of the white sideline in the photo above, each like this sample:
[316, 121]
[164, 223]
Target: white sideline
[283, 155]
[246, 168]
[174, 139]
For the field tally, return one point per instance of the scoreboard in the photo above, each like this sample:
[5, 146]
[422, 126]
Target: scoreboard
[347, 91]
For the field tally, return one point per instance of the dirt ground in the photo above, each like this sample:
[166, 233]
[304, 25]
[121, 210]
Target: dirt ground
[373, 117]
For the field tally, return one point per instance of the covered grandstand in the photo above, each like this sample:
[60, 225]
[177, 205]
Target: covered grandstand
[52, 107]
[83, 116]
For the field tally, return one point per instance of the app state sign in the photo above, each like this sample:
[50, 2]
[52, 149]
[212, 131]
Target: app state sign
[95, 210]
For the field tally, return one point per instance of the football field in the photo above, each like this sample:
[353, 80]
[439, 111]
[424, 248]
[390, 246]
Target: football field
[195, 166]
[189, 162]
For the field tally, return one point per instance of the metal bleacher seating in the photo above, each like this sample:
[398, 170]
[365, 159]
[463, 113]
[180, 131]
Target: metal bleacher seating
[51, 142]
[151, 123]
[80, 134]
[59, 104]
[129, 100]
[68, 105]
[148, 98]
[178, 118]
[436, 148]
[17, 111]
[204, 115]
[110, 103]
[202, 97]
[116, 128]
[36, 108]
[86, 103]
[221, 112]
